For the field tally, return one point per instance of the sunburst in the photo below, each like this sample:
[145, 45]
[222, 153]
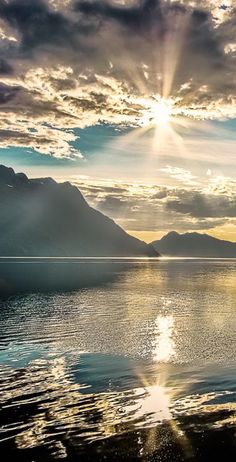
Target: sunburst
[161, 112]
[157, 112]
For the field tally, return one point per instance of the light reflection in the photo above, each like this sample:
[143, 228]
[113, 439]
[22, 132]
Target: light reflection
[58, 406]
[44, 399]
[164, 346]
[156, 404]
[157, 407]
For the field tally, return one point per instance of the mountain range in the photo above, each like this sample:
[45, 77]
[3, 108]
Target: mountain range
[194, 245]
[40, 217]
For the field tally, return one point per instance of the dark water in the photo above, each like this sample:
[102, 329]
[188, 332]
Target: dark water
[130, 360]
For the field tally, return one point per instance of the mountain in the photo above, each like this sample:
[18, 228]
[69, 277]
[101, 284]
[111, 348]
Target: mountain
[194, 245]
[40, 217]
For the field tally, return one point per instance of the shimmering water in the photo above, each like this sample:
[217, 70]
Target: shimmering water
[135, 361]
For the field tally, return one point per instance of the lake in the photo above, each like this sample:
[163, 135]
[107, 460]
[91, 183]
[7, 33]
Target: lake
[111, 360]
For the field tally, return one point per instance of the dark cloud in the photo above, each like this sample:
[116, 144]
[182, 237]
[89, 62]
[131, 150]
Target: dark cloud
[161, 194]
[153, 24]
[5, 67]
[36, 23]
[138, 18]
[94, 191]
[200, 205]
[115, 206]
[7, 93]
[101, 28]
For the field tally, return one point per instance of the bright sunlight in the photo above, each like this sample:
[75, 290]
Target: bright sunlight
[162, 111]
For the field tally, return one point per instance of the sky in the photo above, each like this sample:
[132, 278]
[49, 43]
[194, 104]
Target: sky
[133, 101]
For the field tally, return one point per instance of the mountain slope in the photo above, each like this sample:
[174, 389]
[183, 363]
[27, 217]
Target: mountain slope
[40, 217]
[194, 245]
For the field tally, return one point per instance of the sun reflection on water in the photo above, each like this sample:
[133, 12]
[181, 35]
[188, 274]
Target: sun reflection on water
[155, 404]
[121, 363]
[163, 344]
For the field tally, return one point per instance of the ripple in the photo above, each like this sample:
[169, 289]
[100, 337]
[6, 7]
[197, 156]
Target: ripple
[150, 353]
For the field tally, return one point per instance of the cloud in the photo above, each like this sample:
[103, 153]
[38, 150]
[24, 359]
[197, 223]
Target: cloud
[7, 93]
[5, 67]
[161, 208]
[200, 205]
[218, 200]
[180, 174]
[36, 23]
[81, 63]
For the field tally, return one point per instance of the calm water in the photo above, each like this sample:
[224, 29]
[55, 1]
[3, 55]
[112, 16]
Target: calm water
[131, 360]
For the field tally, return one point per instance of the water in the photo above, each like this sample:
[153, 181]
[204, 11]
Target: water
[130, 360]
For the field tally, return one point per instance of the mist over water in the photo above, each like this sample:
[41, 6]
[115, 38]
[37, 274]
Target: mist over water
[138, 355]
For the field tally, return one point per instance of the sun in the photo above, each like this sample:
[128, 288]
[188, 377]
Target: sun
[162, 111]
[158, 112]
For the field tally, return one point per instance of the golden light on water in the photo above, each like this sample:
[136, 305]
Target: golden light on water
[157, 403]
[164, 347]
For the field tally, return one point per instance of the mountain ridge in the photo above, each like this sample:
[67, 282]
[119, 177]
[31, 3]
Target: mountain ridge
[40, 217]
[194, 244]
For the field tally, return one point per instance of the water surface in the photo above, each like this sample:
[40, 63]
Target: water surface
[130, 360]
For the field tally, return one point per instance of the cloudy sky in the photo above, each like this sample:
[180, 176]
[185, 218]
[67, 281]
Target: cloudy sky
[134, 101]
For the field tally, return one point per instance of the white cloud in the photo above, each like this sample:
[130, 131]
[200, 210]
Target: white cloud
[180, 174]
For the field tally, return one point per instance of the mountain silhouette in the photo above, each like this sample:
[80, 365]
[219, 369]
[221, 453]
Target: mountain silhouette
[194, 245]
[40, 217]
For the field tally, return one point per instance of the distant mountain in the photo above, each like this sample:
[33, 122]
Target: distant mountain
[39, 217]
[194, 245]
